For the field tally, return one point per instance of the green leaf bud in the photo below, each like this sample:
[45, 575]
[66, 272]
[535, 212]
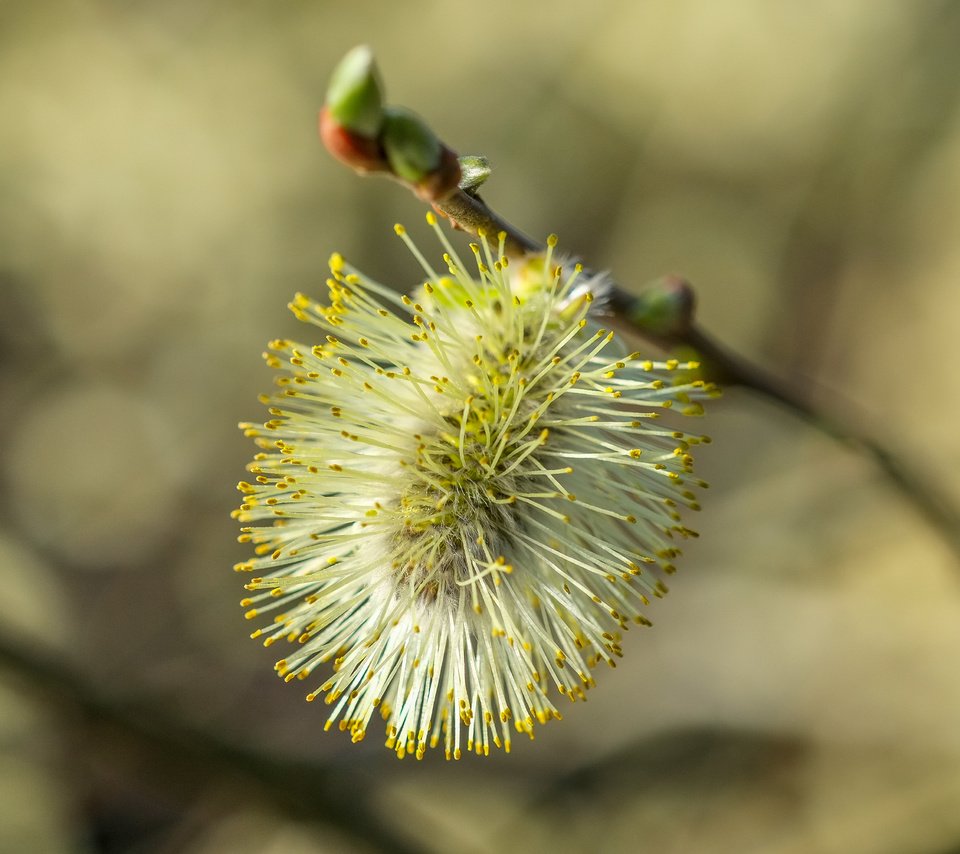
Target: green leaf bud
[413, 150]
[665, 307]
[474, 170]
[354, 97]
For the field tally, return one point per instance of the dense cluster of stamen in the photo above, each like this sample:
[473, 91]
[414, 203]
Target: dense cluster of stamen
[461, 498]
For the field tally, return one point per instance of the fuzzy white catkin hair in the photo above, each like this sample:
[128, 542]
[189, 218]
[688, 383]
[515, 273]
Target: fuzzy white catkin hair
[462, 497]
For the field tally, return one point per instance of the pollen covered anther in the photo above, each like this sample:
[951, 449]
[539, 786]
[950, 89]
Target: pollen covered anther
[451, 511]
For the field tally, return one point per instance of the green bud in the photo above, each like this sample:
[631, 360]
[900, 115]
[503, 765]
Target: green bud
[413, 150]
[474, 170]
[665, 307]
[354, 96]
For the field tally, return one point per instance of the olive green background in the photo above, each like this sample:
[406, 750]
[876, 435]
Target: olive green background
[163, 194]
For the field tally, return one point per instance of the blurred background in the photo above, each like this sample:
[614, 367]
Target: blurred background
[163, 194]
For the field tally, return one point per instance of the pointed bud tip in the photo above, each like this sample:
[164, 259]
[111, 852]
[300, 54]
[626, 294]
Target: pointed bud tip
[354, 96]
[474, 171]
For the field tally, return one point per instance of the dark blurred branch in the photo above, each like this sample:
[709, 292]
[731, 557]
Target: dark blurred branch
[184, 758]
[689, 760]
[729, 369]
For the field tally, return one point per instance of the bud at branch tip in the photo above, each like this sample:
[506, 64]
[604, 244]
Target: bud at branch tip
[360, 131]
[354, 96]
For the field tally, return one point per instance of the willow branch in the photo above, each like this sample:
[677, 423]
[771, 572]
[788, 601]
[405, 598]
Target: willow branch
[371, 138]
[185, 756]
[723, 366]
[470, 213]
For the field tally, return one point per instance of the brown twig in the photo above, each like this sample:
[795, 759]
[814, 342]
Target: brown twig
[469, 212]
[673, 326]
[184, 758]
